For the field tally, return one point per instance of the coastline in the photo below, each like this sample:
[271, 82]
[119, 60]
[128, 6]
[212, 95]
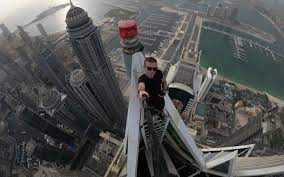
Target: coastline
[218, 53]
[275, 100]
[271, 98]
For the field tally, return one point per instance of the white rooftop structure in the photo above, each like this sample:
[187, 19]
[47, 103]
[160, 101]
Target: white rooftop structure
[182, 87]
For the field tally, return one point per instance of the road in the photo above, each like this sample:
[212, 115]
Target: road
[177, 53]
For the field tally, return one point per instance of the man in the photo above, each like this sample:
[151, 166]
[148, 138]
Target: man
[152, 84]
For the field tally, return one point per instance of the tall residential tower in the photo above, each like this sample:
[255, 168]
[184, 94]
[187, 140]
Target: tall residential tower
[87, 96]
[87, 44]
[64, 110]
[5, 31]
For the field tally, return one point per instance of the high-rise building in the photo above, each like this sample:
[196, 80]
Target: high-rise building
[207, 84]
[21, 52]
[44, 35]
[27, 96]
[44, 124]
[26, 68]
[5, 109]
[18, 69]
[51, 66]
[33, 46]
[5, 31]
[12, 69]
[88, 47]
[42, 32]
[3, 129]
[24, 36]
[62, 108]
[43, 151]
[82, 89]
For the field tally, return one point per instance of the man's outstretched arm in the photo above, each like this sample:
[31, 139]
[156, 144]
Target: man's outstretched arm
[163, 87]
[164, 83]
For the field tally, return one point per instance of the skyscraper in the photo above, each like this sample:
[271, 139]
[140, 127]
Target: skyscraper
[44, 35]
[207, 84]
[51, 66]
[12, 69]
[42, 32]
[25, 66]
[24, 36]
[59, 106]
[43, 151]
[5, 31]
[44, 124]
[87, 44]
[82, 89]
[21, 52]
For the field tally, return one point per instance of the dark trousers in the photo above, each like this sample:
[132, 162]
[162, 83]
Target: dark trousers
[157, 102]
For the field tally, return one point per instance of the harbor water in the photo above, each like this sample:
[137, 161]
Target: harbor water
[260, 71]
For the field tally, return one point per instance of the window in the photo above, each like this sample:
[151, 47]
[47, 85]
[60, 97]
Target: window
[98, 50]
[91, 58]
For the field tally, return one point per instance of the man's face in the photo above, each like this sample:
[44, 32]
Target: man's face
[150, 69]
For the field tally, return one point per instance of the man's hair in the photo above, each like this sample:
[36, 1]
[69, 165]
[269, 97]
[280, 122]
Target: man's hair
[150, 60]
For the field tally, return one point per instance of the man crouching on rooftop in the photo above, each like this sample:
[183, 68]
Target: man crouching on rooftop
[152, 84]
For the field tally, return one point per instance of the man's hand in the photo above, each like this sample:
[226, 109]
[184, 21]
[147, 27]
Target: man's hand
[162, 93]
[143, 93]
[141, 90]
[164, 88]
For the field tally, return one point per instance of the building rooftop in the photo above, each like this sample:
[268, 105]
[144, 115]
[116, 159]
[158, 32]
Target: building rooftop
[77, 77]
[184, 73]
[200, 109]
[76, 17]
[3, 128]
[48, 97]
[4, 110]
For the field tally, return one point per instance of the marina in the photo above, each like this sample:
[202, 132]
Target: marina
[254, 65]
[237, 49]
[275, 55]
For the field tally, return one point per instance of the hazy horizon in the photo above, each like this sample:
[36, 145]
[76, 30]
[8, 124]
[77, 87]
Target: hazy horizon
[22, 13]
[10, 8]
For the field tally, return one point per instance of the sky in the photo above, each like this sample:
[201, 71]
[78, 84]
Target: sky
[21, 12]
[9, 7]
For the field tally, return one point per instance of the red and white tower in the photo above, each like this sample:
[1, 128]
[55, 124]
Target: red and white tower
[131, 45]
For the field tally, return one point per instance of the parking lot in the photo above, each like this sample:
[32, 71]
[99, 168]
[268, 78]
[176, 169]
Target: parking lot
[156, 31]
